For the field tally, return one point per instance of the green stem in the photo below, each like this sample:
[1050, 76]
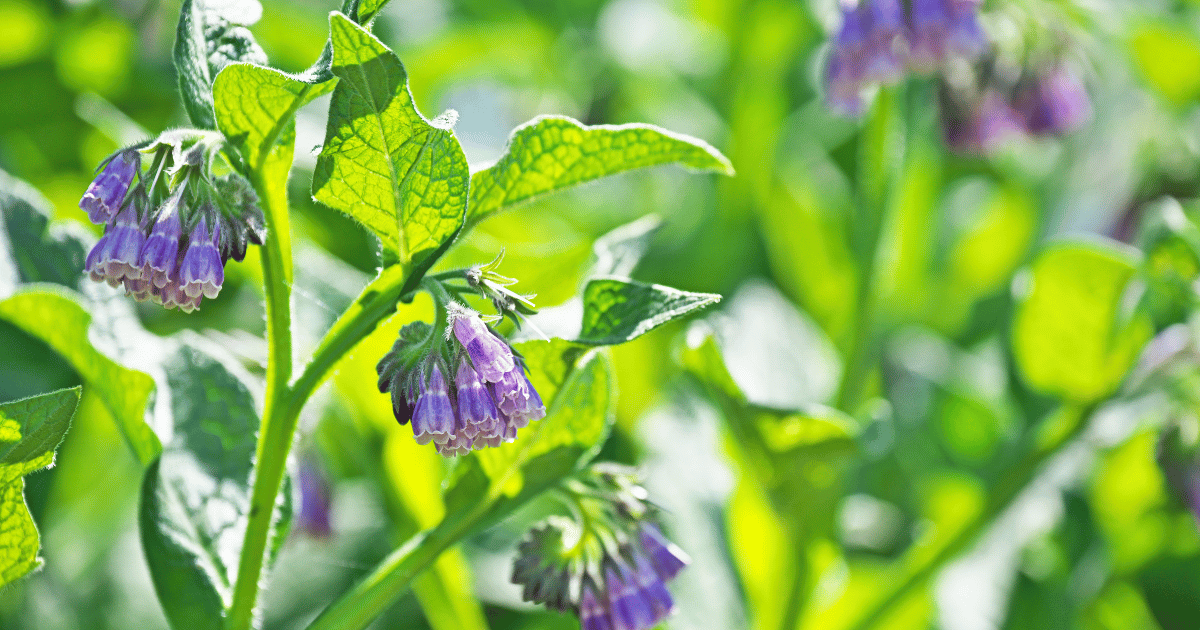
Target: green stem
[1000, 499]
[275, 435]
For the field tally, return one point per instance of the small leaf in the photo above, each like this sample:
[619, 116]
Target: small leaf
[60, 322]
[196, 496]
[555, 152]
[1067, 336]
[30, 430]
[616, 310]
[403, 177]
[619, 251]
[206, 40]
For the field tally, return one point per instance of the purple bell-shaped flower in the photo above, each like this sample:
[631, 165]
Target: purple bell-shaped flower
[115, 256]
[202, 271]
[104, 196]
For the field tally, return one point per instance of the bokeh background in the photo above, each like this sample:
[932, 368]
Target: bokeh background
[1098, 541]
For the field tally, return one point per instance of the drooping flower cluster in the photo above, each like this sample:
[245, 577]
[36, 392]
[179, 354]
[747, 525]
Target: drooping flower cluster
[879, 40]
[978, 116]
[611, 565]
[170, 231]
[488, 400]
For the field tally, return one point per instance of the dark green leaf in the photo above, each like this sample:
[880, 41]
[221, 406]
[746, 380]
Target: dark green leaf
[207, 40]
[57, 319]
[1068, 338]
[556, 152]
[195, 497]
[30, 431]
[616, 310]
[30, 251]
[403, 177]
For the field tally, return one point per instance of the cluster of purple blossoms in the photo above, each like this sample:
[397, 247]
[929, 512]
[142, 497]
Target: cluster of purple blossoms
[491, 397]
[173, 252]
[611, 572]
[1048, 101]
[880, 40]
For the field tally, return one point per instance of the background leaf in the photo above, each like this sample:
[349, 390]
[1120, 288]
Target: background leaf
[556, 152]
[616, 310]
[403, 177]
[206, 40]
[56, 318]
[29, 250]
[30, 431]
[1067, 336]
[195, 497]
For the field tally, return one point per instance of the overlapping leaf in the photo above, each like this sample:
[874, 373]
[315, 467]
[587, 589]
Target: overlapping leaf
[206, 40]
[616, 310]
[30, 430]
[556, 152]
[403, 177]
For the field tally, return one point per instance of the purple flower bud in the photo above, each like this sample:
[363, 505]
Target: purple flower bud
[313, 515]
[1055, 103]
[402, 407]
[104, 196]
[490, 355]
[476, 411]
[202, 270]
[160, 255]
[433, 417]
[630, 611]
[668, 560]
[115, 256]
[592, 614]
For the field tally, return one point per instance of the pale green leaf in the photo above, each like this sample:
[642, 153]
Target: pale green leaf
[1068, 337]
[556, 152]
[385, 165]
[617, 310]
[30, 430]
[57, 319]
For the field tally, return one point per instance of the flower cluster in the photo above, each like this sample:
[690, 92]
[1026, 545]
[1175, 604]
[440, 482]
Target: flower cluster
[488, 400]
[610, 565]
[168, 236]
[879, 40]
[1046, 101]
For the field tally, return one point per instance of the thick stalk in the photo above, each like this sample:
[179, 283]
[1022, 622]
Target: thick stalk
[278, 427]
[1000, 499]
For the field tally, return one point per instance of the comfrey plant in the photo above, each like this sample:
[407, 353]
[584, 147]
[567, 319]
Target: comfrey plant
[524, 419]
[610, 563]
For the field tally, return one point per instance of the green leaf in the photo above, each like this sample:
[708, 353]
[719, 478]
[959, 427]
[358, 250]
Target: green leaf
[30, 251]
[1168, 56]
[206, 40]
[30, 430]
[556, 152]
[57, 319]
[196, 496]
[401, 176]
[617, 310]
[579, 393]
[1068, 336]
[619, 251]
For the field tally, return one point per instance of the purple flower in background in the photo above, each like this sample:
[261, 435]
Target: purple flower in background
[592, 615]
[115, 256]
[160, 255]
[313, 515]
[433, 418]
[629, 609]
[939, 29]
[490, 355]
[202, 271]
[652, 586]
[107, 192]
[980, 126]
[884, 52]
[844, 71]
[668, 559]
[1054, 102]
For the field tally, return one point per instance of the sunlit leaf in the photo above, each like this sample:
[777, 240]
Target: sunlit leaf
[30, 431]
[617, 310]
[403, 177]
[556, 152]
[56, 318]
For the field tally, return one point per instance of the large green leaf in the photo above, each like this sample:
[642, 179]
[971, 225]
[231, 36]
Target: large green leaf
[30, 430]
[206, 40]
[29, 250]
[53, 316]
[1068, 336]
[617, 310]
[556, 152]
[196, 496]
[385, 165]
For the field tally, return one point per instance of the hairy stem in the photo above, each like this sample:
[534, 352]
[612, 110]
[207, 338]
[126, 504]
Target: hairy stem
[275, 435]
[1002, 496]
